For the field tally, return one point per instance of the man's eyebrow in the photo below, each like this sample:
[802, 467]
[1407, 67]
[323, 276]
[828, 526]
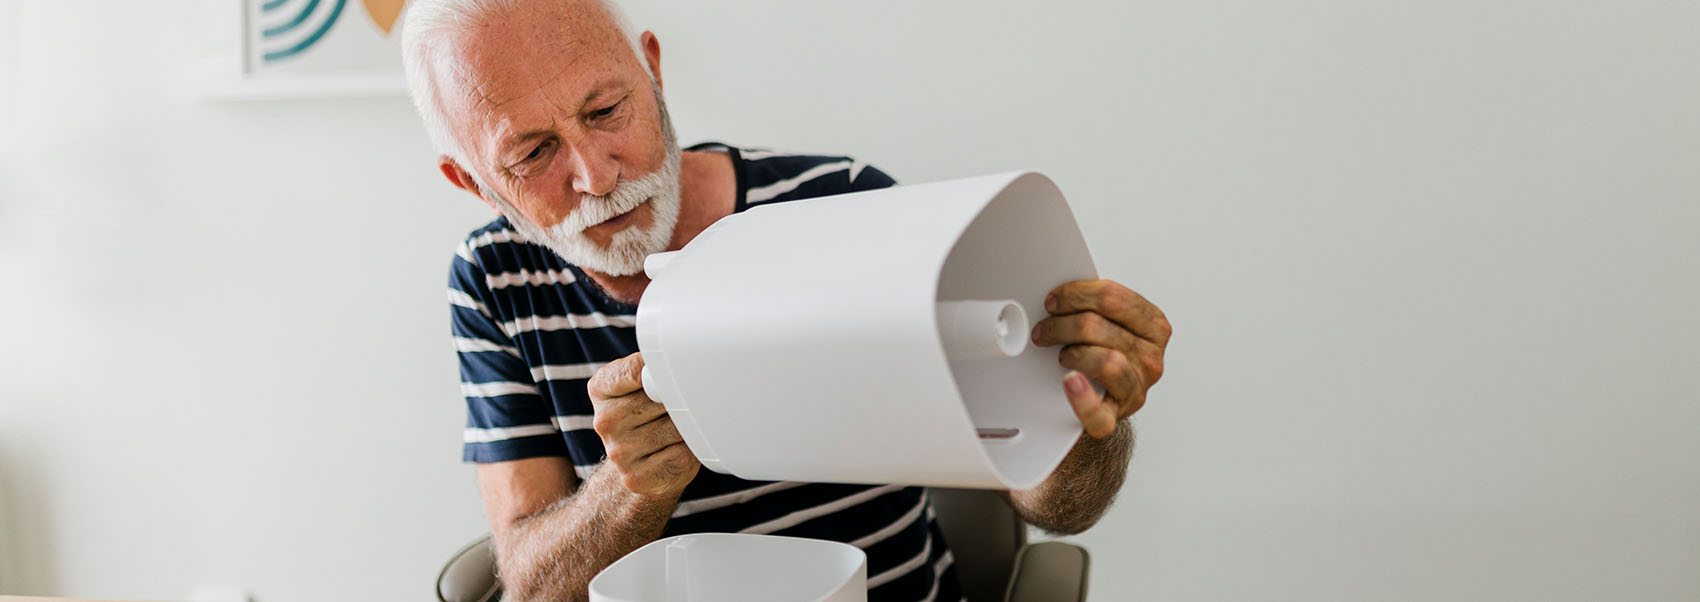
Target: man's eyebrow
[527, 136]
[608, 86]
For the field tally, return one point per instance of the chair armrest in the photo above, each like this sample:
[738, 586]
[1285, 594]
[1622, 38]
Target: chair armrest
[470, 575]
[1052, 571]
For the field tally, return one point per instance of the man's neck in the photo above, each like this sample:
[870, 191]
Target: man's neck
[708, 191]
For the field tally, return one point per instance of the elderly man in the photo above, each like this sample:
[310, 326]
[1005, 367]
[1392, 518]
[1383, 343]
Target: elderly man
[551, 113]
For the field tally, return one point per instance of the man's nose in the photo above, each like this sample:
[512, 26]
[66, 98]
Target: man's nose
[594, 172]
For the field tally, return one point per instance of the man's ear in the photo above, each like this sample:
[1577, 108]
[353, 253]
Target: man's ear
[458, 176]
[652, 55]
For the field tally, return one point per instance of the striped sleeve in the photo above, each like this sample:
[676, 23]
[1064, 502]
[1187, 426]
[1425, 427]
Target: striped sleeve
[778, 177]
[871, 178]
[506, 417]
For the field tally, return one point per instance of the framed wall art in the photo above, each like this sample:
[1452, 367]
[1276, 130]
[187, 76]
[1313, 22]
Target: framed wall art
[310, 49]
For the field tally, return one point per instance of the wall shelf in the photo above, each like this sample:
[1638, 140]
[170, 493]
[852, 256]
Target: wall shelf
[215, 81]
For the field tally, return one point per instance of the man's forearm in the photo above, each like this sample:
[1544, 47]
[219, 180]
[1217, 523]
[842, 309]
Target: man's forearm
[552, 555]
[1078, 493]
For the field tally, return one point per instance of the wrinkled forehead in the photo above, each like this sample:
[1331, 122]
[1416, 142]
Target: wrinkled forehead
[541, 52]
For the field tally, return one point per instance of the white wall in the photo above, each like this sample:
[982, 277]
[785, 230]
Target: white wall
[1432, 267]
[224, 358]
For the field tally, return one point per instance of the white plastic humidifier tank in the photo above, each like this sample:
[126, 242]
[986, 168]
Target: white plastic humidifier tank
[872, 337]
[732, 567]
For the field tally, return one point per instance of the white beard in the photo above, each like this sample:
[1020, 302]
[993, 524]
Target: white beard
[628, 248]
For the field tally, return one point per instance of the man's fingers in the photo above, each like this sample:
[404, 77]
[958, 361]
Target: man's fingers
[616, 416]
[1116, 302]
[616, 378]
[1149, 357]
[674, 455]
[1110, 368]
[670, 468]
[667, 463]
[1083, 327]
[1097, 415]
[641, 441]
[654, 437]
[631, 446]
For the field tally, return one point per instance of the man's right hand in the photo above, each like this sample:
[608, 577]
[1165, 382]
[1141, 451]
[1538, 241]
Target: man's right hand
[638, 435]
[554, 534]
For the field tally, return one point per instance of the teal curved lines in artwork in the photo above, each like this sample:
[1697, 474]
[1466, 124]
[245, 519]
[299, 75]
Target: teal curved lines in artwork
[293, 22]
[311, 39]
[272, 5]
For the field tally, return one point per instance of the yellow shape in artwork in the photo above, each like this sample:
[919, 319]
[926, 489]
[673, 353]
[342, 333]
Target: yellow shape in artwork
[384, 12]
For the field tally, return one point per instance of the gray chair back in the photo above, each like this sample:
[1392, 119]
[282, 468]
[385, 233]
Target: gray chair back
[984, 535]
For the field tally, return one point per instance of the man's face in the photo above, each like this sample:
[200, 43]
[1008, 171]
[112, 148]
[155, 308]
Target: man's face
[566, 132]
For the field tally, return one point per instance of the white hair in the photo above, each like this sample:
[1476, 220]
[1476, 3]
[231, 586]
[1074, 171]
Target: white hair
[426, 20]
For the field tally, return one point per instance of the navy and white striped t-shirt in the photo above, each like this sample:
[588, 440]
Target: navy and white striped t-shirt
[530, 329]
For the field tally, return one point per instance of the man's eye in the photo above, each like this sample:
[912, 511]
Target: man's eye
[536, 152]
[606, 111]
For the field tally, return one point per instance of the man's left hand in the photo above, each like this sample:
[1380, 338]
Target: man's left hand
[1111, 334]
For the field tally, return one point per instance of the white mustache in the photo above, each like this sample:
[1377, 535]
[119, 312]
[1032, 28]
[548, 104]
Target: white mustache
[626, 196]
